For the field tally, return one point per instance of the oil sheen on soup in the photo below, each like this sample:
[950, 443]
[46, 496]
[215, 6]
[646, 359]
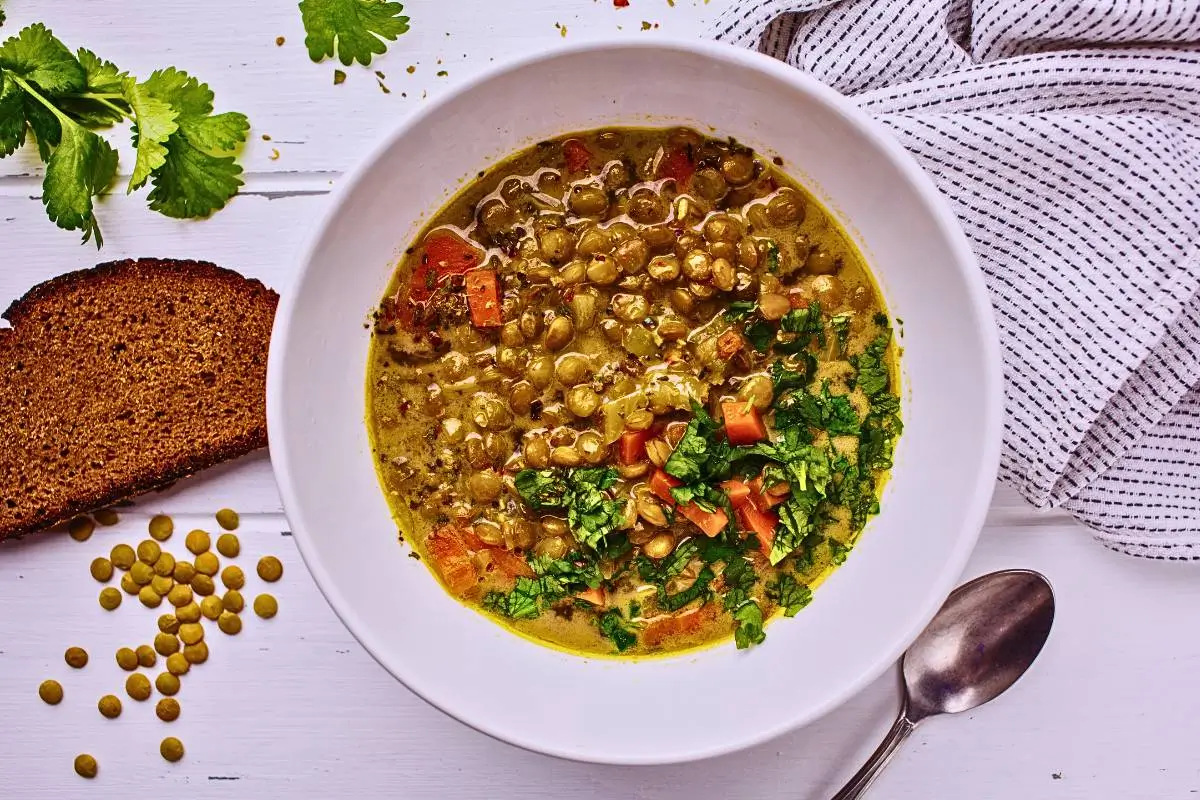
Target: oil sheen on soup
[633, 391]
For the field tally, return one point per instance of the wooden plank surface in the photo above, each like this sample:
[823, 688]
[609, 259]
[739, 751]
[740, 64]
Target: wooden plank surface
[295, 708]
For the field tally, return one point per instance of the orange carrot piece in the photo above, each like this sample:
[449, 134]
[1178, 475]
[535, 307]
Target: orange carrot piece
[483, 298]
[631, 447]
[743, 423]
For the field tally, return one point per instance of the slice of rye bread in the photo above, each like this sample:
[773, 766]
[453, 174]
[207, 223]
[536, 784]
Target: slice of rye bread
[123, 378]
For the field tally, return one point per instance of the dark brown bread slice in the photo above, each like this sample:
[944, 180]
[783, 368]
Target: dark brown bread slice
[123, 378]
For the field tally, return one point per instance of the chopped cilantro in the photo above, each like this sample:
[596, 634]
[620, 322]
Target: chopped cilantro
[740, 578]
[613, 627]
[806, 324]
[772, 257]
[871, 369]
[840, 323]
[790, 594]
[823, 411]
[697, 591]
[740, 310]
[352, 30]
[761, 334]
[526, 601]
[749, 628]
[785, 379]
[838, 551]
[591, 513]
[659, 572]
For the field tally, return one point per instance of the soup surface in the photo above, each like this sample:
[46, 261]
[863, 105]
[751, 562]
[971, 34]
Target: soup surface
[633, 391]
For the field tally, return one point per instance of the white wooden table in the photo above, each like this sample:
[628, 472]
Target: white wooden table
[294, 707]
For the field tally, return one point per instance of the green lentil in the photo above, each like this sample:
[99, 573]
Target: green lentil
[162, 585]
[203, 585]
[270, 569]
[129, 585]
[148, 551]
[180, 595]
[51, 692]
[211, 607]
[80, 529]
[110, 706]
[122, 556]
[161, 527]
[166, 644]
[266, 606]
[110, 598]
[233, 577]
[171, 749]
[191, 632]
[208, 564]
[106, 516]
[188, 613]
[127, 659]
[137, 686]
[196, 653]
[228, 545]
[145, 655]
[142, 573]
[149, 597]
[184, 572]
[227, 518]
[168, 623]
[229, 623]
[197, 542]
[102, 569]
[166, 683]
[177, 664]
[165, 566]
[76, 657]
[233, 601]
[86, 766]
[167, 708]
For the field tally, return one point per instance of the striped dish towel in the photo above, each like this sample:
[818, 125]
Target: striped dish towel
[1066, 134]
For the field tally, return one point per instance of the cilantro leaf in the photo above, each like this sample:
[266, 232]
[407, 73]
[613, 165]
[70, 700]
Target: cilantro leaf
[613, 627]
[591, 513]
[749, 628]
[664, 570]
[740, 578]
[36, 56]
[823, 411]
[353, 30]
[772, 257]
[198, 175]
[761, 334]
[12, 117]
[102, 102]
[155, 125]
[871, 369]
[701, 456]
[81, 167]
[840, 324]
[838, 551]
[791, 595]
[698, 590]
[786, 380]
[806, 324]
[740, 310]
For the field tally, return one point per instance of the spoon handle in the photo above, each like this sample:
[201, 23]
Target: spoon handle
[862, 779]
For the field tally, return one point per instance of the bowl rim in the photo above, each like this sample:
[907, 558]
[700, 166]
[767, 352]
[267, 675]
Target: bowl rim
[946, 221]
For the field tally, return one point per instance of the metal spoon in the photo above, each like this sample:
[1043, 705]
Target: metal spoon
[987, 633]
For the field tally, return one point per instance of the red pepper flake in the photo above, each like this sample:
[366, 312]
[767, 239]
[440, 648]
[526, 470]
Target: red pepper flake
[676, 164]
[576, 154]
[621, 3]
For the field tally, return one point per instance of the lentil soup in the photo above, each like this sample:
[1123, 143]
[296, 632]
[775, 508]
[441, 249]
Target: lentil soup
[633, 391]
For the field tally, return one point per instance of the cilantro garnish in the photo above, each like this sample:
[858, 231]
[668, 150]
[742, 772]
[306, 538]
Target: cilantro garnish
[185, 151]
[591, 513]
[698, 590]
[871, 369]
[772, 257]
[840, 324]
[613, 627]
[823, 411]
[740, 310]
[749, 630]
[351, 30]
[806, 324]
[556, 578]
[760, 334]
[790, 594]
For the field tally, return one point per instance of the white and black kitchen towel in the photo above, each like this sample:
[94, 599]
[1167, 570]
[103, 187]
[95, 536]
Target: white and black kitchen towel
[1066, 134]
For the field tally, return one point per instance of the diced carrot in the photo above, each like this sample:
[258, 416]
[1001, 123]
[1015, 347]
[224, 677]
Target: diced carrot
[593, 596]
[729, 344]
[711, 522]
[798, 298]
[452, 560]
[483, 298]
[761, 523]
[763, 499]
[509, 563]
[738, 490]
[743, 424]
[676, 164]
[661, 484]
[679, 624]
[631, 447]
[576, 154]
[443, 254]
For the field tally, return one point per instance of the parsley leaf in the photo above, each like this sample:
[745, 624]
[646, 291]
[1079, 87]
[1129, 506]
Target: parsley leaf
[613, 627]
[353, 30]
[591, 513]
[749, 628]
[791, 595]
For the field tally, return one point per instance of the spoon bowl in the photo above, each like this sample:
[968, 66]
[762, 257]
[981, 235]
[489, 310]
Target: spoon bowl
[982, 640]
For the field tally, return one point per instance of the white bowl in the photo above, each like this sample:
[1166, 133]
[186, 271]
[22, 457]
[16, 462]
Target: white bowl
[702, 703]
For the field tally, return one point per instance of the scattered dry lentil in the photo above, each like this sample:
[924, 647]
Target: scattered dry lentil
[165, 566]
[270, 569]
[106, 516]
[80, 529]
[161, 527]
[161, 585]
[51, 692]
[228, 545]
[166, 644]
[110, 598]
[166, 683]
[142, 573]
[86, 766]
[197, 542]
[102, 569]
[148, 551]
[77, 657]
[266, 606]
[168, 623]
[196, 653]
[208, 564]
[129, 585]
[149, 597]
[233, 577]
[127, 659]
[167, 708]
[171, 749]
[191, 632]
[177, 664]
[233, 601]
[211, 607]
[227, 518]
[203, 585]
[180, 595]
[122, 556]
[184, 572]
[137, 686]
[188, 613]
[110, 706]
[229, 623]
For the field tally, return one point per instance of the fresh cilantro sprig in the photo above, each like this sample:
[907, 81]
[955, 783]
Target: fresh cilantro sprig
[60, 98]
[350, 30]
[592, 515]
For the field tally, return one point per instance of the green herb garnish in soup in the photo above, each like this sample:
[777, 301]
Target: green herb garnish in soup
[633, 391]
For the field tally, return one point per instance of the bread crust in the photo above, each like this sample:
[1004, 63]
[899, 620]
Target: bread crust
[259, 303]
